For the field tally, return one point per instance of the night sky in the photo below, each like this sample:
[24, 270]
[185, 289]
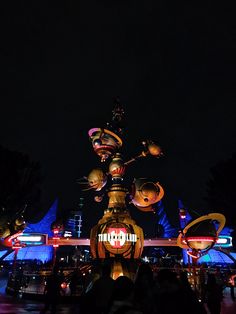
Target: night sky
[171, 64]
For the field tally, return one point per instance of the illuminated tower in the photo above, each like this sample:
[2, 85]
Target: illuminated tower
[116, 234]
[74, 222]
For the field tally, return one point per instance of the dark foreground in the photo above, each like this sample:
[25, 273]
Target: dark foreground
[12, 305]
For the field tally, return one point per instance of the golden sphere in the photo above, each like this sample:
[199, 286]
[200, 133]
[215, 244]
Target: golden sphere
[97, 179]
[116, 167]
[154, 149]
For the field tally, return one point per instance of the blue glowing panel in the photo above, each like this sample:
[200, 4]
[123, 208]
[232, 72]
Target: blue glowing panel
[205, 259]
[186, 258]
[44, 225]
[42, 253]
[169, 231]
[211, 257]
[2, 253]
[226, 231]
[224, 241]
[215, 257]
[234, 255]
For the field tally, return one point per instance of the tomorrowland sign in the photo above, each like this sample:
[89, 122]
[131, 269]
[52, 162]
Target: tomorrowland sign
[117, 237]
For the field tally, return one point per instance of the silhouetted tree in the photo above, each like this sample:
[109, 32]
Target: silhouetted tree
[221, 189]
[20, 181]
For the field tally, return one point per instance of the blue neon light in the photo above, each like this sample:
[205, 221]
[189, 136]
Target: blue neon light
[42, 253]
[163, 220]
[215, 257]
[227, 244]
[44, 225]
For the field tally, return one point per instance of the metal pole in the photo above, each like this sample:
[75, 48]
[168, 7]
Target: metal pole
[15, 259]
[54, 256]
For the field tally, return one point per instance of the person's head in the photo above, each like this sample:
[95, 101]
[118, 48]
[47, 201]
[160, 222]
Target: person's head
[144, 271]
[183, 277]
[211, 280]
[123, 288]
[55, 270]
[166, 275]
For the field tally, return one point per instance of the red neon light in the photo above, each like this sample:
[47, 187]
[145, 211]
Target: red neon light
[14, 236]
[182, 214]
[193, 255]
[200, 239]
[64, 285]
[8, 241]
[18, 246]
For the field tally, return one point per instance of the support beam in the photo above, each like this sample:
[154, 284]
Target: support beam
[86, 242]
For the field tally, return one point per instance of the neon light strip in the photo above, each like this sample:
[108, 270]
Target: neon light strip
[192, 255]
[222, 241]
[200, 239]
[29, 238]
[14, 236]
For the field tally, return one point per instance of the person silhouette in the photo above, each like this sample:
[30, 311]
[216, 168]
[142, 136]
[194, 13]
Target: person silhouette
[214, 295]
[122, 298]
[143, 289]
[97, 298]
[52, 291]
[232, 278]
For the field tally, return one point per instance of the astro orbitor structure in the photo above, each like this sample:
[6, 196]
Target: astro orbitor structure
[116, 233]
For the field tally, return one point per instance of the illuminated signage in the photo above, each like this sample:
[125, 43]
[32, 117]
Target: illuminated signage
[29, 238]
[32, 239]
[224, 241]
[117, 237]
[67, 234]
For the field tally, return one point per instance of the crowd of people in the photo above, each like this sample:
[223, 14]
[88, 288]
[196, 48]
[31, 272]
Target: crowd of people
[144, 289]
[164, 292]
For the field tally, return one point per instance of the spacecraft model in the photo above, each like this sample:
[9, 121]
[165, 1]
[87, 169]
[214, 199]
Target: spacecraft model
[201, 234]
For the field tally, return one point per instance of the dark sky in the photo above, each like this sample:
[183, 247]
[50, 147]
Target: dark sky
[171, 64]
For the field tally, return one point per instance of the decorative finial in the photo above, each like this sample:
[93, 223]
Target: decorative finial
[116, 125]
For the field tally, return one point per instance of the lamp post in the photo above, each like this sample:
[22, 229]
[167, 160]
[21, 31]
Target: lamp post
[56, 239]
[57, 227]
